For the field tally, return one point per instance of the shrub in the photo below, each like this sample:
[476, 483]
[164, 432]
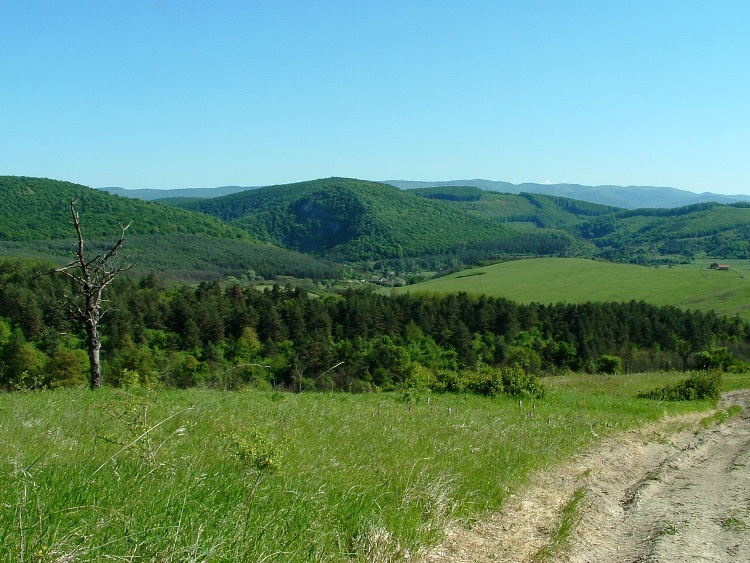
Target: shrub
[517, 382]
[509, 381]
[609, 364]
[67, 368]
[705, 385]
[718, 358]
[487, 381]
[449, 381]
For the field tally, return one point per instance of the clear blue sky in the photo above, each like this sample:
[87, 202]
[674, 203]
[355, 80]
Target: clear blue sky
[173, 94]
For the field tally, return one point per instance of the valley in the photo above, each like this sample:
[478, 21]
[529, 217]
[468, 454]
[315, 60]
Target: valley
[340, 370]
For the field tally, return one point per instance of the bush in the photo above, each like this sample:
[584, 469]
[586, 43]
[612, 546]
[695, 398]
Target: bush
[449, 381]
[718, 358]
[609, 364]
[515, 381]
[487, 381]
[705, 385]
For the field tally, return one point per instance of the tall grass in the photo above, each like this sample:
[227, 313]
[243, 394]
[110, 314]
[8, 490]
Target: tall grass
[157, 476]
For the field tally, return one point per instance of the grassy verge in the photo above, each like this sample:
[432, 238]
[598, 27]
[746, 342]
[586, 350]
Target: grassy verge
[206, 475]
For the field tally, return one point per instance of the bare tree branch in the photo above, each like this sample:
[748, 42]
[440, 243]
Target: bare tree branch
[91, 277]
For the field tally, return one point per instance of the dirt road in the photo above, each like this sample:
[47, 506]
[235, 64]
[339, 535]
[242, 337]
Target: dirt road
[672, 492]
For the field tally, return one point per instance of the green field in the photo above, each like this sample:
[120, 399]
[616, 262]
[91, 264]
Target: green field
[574, 280]
[203, 475]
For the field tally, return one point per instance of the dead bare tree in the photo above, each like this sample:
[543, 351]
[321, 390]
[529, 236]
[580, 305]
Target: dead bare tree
[91, 277]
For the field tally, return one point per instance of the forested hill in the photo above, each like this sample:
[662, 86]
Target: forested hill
[543, 211]
[35, 222]
[646, 235]
[346, 219]
[38, 208]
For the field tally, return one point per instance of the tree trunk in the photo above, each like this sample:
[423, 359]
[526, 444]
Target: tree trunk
[94, 345]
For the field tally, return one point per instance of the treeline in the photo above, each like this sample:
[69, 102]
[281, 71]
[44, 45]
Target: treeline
[230, 335]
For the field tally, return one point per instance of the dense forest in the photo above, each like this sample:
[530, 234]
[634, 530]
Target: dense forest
[222, 330]
[230, 335]
[310, 229]
[352, 221]
[178, 244]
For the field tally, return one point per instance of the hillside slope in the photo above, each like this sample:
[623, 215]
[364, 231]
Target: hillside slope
[346, 219]
[711, 229]
[35, 222]
[646, 235]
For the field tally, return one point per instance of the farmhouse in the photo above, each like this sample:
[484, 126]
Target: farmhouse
[717, 266]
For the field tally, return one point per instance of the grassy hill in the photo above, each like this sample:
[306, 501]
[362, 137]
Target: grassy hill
[35, 222]
[347, 219]
[551, 280]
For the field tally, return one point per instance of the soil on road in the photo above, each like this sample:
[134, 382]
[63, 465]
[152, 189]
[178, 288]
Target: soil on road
[673, 492]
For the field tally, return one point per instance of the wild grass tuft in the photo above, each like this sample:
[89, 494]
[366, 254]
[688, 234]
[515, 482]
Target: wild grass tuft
[569, 518]
[208, 475]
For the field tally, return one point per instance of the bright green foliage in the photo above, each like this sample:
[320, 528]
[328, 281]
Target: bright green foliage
[38, 209]
[231, 336]
[35, 221]
[642, 236]
[609, 364]
[67, 368]
[703, 386]
[718, 359]
[510, 381]
[255, 451]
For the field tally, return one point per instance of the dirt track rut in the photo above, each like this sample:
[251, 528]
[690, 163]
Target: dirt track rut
[673, 492]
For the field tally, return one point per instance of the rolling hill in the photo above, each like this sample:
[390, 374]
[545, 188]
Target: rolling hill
[288, 228]
[645, 236]
[351, 220]
[35, 222]
[571, 280]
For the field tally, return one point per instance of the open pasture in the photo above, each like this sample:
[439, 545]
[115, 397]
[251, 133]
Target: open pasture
[576, 280]
[263, 476]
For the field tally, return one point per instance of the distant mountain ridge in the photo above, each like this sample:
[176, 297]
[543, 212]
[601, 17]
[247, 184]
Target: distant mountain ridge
[152, 194]
[627, 197]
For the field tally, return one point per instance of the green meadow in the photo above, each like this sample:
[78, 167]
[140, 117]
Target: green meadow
[576, 280]
[205, 475]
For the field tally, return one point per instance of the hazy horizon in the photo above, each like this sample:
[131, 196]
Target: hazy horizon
[181, 93]
[416, 180]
